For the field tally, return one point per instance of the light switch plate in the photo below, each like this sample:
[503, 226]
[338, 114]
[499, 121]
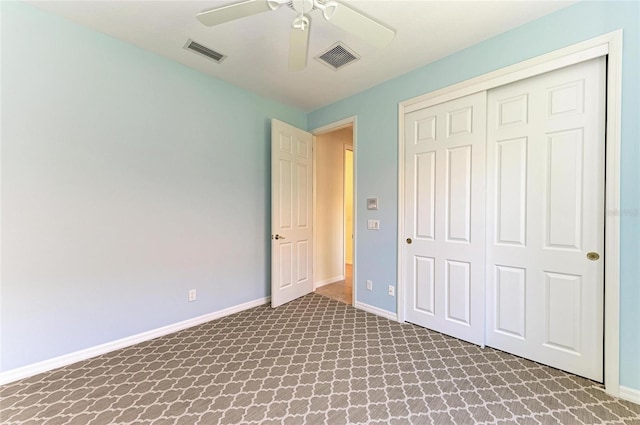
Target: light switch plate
[372, 203]
[373, 224]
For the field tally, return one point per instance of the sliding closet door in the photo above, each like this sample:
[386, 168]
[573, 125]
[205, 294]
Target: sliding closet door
[545, 218]
[444, 217]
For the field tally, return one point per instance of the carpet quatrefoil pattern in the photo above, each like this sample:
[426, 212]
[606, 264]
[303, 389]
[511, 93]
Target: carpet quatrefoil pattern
[312, 361]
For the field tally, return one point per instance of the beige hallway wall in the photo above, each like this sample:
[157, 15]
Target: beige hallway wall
[330, 235]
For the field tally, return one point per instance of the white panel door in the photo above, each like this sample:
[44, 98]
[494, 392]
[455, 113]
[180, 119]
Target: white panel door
[545, 214]
[444, 217]
[291, 213]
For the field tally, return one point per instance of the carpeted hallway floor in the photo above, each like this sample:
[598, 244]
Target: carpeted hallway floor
[312, 361]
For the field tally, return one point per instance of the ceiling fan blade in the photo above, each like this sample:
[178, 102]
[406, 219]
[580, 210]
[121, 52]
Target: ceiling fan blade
[362, 26]
[298, 45]
[233, 11]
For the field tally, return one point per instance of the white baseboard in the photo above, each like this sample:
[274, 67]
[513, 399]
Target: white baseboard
[329, 281]
[377, 311]
[67, 359]
[630, 394]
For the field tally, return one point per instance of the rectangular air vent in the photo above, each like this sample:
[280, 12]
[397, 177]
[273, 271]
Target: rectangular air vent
[337, 56]
[204, 51]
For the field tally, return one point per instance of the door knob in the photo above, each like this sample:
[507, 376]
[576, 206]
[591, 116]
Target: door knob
[593, 256]
[409, 241]
[279, 237]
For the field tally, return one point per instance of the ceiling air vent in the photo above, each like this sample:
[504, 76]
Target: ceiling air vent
[337, 56]
[204, 51]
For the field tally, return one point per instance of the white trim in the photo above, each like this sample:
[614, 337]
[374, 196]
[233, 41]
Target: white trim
[539, 65]
[314, 205]
[608, 44]
[612, 222]
[346, 148]
[337, 125]
[328, 281]
[334, 126]
[354, 254]
[630, 394]
[377, 311]
[400, 301]
[67, 359]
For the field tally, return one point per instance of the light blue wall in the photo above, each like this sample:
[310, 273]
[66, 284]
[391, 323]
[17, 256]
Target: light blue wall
[377, 154]
[121, 187]
[127, 179]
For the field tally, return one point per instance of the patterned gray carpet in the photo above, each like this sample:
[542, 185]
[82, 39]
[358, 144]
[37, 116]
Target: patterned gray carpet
[312, 361]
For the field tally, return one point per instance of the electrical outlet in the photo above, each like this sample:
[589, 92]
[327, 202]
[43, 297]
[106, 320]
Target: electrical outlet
[369, 285]
[392, 290]
[192, 295]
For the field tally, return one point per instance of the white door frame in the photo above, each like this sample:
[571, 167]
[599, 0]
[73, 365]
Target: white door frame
[337, 125]
[608, 44]
[346, 148]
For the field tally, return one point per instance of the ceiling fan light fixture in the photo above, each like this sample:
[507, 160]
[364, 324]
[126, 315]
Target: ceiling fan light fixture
[303, 6]
[275, 4]
[328, 8]
[340, 14]
[300, 23]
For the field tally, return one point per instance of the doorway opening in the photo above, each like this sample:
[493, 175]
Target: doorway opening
[334, 214]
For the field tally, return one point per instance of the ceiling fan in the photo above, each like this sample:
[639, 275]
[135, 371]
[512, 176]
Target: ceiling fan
[339, 14]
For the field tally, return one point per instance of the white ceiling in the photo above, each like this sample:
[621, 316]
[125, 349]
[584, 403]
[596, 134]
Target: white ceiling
[257, 46]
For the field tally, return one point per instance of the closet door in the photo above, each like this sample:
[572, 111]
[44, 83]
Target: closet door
[545, 218]
[444, 216]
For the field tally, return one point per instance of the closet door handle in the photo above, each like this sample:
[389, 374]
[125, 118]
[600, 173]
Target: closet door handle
[593, 256]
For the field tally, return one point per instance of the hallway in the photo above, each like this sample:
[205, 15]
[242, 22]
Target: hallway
[340, 291]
